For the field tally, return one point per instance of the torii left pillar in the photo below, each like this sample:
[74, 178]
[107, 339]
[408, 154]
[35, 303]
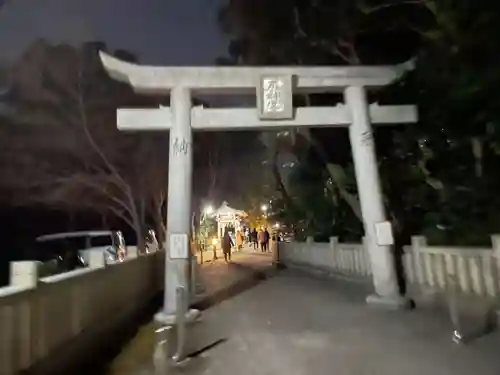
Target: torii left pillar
[179, 207]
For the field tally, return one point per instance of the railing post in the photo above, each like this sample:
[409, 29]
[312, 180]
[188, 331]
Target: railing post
[309, 239]
[334, 242]
[366, 255]
[275, 250]
[409, 266]
[24, 274]
[495, 241]
[132, 252]
[97, 259]
[417, 244]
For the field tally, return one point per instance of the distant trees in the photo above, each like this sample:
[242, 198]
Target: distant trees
[439, 175]
[61, 147]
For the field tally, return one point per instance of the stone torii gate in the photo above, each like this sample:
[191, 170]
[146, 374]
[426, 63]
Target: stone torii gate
[274, 87]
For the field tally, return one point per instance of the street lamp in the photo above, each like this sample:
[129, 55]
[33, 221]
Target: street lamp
[208, 210]
[277, 225]
[264, 209]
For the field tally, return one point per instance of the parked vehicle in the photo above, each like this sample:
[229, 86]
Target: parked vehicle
[287, 237]
[72, 250]
[151, 241]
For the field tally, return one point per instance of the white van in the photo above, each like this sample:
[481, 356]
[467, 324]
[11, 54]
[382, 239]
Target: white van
[72, 249]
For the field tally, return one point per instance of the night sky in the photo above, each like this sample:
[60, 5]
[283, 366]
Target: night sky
[168, 32]
[158, 32]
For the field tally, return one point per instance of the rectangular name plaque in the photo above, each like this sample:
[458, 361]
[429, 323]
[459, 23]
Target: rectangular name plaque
[178, 246]
[384, 234]
[275, 97]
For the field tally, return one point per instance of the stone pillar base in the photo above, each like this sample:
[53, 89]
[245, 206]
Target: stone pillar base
[192, 316]
[171, 350]
[390, 303]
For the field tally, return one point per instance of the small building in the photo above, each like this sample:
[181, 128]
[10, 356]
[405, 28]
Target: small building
[228, 217]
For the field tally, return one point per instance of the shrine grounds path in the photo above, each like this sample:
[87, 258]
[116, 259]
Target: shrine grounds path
[295, 324]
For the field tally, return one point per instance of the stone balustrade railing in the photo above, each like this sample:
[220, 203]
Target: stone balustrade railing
[44, 318]
[473, 270]
[343, 258]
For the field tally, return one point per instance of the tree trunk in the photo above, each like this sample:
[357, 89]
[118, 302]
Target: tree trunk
[142, 213]
[335, 171]
[71, 219]
[159, 224]
[136, 221]
[477, 151]
[279, 183]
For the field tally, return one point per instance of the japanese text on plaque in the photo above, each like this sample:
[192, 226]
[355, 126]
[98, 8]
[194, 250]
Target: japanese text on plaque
[273, 101]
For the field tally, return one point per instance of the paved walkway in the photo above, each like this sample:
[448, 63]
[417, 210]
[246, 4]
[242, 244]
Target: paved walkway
[207, 256]
[220, 280]
[294, 324]
[298, 325]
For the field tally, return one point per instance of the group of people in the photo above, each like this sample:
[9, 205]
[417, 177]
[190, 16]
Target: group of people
[260, 238]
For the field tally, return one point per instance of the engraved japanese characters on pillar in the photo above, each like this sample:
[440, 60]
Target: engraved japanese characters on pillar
[274, 98]
[180, 146]
[367, 137]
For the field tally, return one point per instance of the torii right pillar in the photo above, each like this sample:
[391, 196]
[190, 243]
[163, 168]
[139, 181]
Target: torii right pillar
[381, 253]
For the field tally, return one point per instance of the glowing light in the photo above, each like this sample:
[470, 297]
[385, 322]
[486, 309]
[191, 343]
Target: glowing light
[208, 210]
[264, 207]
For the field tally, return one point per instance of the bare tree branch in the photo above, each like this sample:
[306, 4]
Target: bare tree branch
[90, 138]
[100, 187]
[119, 213]
[373, 9]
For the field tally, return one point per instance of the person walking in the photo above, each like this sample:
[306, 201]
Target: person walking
[260, 239]
[253, 239]
[227, 244]
[265, 240]
[239, 239]
[247, 235]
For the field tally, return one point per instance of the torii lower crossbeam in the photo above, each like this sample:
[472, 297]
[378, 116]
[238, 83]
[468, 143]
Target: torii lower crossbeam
[228, 119]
